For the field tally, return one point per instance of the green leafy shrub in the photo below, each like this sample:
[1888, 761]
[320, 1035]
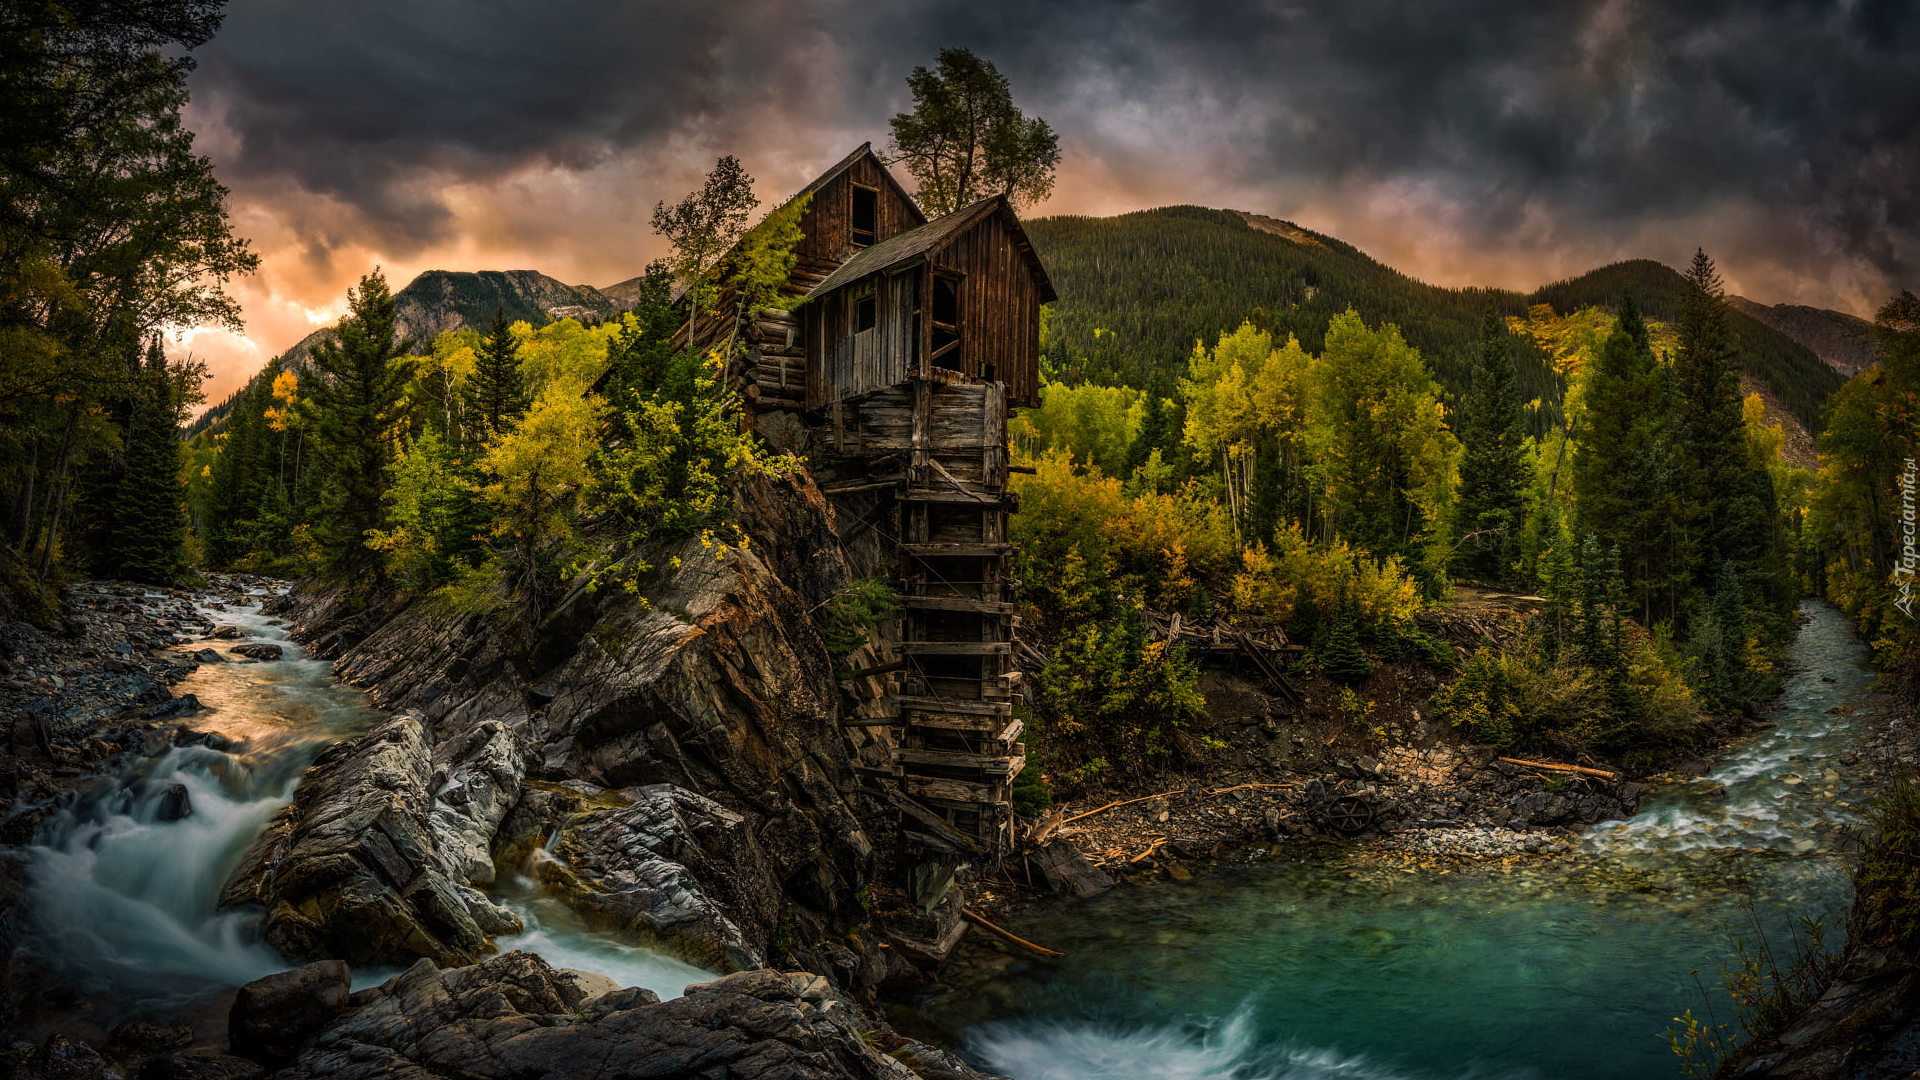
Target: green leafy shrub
[845, 620]
[1031, 796]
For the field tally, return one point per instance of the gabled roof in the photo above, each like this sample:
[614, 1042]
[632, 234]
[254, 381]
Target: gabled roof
[916, 243]
[865, 149]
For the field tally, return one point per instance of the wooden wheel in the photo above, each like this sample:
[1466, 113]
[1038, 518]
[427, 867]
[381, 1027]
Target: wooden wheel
[1349, 815]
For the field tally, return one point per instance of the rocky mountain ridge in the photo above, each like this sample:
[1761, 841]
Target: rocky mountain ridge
[1845, 342]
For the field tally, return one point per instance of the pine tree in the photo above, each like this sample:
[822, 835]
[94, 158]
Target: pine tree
[355, 406]
[1728, 510]
[497, 393]
[1493, 469]
[1624, 476]
[1343, 658]
[150, 512]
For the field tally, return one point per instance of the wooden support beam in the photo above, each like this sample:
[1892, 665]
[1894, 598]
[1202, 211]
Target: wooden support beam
[986, 500]
[926, 551]
[945, 705]
[953, 603]
[959, 791]
[957, 648]
[988, 764]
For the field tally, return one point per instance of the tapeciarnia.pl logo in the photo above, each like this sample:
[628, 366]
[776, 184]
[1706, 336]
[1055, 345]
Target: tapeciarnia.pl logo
[1903, 570]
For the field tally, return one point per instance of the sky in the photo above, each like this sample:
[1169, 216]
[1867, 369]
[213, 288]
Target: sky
[1466, 142]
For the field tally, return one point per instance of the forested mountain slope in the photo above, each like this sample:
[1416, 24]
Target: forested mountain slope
[1794, 372]
[1137, 290]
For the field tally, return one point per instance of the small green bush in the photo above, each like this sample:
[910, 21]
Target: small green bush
[845, 620]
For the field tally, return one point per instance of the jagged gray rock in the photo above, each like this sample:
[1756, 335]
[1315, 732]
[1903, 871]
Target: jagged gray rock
[673, 869]
[515, 1017]
[476, 781]
[353, 870]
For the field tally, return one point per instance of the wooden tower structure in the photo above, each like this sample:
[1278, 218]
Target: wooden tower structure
[913, 340]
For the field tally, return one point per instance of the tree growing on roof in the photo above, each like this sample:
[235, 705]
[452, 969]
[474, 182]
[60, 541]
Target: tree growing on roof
[966, 140]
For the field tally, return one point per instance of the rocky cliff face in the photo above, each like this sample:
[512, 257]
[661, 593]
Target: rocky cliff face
[684, 754]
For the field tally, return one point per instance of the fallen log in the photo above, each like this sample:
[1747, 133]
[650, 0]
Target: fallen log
[1124, 802]
[1555, 767]
[971, 916]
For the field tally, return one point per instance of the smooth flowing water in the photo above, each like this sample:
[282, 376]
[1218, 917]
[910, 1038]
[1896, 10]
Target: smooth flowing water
[121, 904]
[1345, 964]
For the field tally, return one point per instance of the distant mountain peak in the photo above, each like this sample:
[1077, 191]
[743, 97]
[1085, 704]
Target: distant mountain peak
[1845, 342]
[443, 301]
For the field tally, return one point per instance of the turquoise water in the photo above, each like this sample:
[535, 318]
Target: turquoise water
[1311, 964]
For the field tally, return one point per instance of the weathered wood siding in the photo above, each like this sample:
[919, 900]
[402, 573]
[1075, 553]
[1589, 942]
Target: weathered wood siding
[999, 308]
[853, 363]
[828, 222]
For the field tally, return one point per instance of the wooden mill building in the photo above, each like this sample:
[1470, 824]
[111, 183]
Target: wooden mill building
[913, 340]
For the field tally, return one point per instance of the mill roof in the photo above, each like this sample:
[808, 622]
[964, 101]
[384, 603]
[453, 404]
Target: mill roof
[916, 243]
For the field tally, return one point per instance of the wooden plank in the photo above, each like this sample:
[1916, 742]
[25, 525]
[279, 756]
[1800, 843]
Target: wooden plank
[953, 603]
[957, 708]
[959, 791]
[990, 764]
[984, 728]
[957, 648]
[922, 551]
[982, 499]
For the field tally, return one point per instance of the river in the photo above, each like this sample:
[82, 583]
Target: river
[1337, 962]
[1310, 962]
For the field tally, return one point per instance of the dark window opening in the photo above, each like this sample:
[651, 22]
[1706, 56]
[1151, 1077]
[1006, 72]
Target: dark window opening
[988, 373]
[863, 314]
[946, 321]
[866, 215]
[946, 300]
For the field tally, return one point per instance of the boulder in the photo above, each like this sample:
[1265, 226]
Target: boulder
[259, 650]
[167, 710]
[353, 870]
[226, 632]
[514, 1016]
[673, 869]
[477, 778]
[271, 1017]
[718, 683]
[1068, 872]
[209, 656]
[175, 804]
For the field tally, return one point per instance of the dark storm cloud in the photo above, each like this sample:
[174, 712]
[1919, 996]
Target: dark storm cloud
[1794, 124]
